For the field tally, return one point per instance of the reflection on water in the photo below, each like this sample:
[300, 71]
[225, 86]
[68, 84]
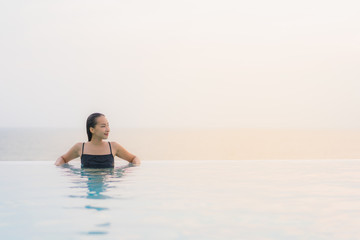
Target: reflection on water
[96, 182]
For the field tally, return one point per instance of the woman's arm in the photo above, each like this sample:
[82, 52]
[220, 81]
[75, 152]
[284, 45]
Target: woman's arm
[73, 153]
[60, 161]
[124, 154]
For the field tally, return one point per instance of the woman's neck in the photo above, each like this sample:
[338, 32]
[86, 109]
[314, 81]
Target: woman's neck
[96, 141]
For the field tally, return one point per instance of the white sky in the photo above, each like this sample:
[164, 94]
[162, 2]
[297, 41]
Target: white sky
[268, 64]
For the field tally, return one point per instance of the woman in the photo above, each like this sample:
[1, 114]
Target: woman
[97, 153]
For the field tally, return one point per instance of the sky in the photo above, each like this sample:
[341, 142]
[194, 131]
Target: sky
[174, 64]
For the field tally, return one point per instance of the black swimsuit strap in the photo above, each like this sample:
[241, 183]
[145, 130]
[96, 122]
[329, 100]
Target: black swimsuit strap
[82, 149]
[110, 148]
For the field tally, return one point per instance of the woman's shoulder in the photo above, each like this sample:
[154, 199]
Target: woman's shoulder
[77, 145]
[121, 151]
[75, 149]
[115, 145]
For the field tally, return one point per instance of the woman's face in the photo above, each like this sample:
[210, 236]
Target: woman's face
[102, 128]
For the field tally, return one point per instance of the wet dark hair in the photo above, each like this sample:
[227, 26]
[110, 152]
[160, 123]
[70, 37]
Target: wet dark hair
[91, 122]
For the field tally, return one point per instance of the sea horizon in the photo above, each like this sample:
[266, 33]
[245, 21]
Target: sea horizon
[189, 143]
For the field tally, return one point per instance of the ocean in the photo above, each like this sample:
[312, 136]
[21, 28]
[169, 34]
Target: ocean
[40, 144]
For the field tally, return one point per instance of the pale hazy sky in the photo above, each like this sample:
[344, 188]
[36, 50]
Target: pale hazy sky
[180, 63]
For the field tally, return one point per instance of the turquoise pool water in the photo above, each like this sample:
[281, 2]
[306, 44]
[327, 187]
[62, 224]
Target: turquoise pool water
[257, 199]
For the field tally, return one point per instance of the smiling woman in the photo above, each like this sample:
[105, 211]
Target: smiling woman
[99, 154]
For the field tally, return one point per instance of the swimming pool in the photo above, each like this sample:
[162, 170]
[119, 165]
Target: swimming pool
[191, 199]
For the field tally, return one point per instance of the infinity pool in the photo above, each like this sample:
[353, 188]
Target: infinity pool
[225, 199]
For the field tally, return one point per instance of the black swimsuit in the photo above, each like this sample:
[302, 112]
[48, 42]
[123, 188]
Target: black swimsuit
[97, 161]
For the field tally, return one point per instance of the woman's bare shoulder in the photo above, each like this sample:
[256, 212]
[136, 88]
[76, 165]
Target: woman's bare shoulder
[77, 146]
[121, 152]
[73, 152]
[115, 144]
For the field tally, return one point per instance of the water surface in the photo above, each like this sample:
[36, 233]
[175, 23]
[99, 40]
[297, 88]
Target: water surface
[192, 199]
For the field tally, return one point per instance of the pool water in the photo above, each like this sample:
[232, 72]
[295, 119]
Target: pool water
[190, 199]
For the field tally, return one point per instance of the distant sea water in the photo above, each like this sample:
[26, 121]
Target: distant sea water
[34, 144]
